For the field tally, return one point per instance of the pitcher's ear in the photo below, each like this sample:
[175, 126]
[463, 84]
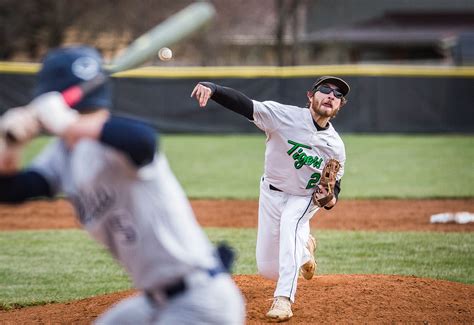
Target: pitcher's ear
[343, 102]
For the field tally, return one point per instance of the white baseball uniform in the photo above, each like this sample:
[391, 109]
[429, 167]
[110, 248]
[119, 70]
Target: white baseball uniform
[295, 155]
[144, 218]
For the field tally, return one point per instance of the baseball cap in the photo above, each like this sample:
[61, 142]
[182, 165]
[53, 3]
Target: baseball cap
[338, 82]
[67, 66]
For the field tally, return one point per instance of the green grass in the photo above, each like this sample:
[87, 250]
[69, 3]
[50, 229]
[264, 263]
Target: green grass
[378, 166]
[227, 166]
[37, 267]
[409, 166]
[32, 149]
[446, 256]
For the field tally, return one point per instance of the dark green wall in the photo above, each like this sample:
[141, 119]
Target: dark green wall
[377, 104]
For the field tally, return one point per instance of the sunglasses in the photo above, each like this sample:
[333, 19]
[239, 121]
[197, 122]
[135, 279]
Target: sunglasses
[327, 90]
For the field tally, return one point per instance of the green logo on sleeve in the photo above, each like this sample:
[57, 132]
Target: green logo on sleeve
[301, 158]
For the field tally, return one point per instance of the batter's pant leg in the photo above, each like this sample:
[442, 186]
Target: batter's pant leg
[130, 311]
[218, 303]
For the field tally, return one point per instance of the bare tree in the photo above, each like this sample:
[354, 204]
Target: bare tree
[287, 20]
[29, 26]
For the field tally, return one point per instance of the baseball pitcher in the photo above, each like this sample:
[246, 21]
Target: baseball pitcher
[125, 196]
[304, 164]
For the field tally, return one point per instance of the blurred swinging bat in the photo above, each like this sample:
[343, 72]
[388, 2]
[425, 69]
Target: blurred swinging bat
[172, 30]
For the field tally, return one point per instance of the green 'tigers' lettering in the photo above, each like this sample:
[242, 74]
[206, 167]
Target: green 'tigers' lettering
[302, 158]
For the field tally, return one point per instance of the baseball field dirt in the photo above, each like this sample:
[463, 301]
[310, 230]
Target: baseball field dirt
[325, 299]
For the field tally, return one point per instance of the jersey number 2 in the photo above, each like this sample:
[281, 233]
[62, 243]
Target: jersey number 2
[313, 180]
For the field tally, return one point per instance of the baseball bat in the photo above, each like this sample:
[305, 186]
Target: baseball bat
[170, 31]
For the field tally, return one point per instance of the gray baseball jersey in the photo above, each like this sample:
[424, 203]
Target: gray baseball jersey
[295, 153]
[144, 218]
[142, 215]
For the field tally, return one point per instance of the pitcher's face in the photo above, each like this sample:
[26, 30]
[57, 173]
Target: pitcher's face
[326, 100]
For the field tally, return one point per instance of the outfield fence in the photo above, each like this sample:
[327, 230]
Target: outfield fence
[383, 99]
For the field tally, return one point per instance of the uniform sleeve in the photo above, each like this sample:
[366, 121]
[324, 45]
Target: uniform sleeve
[131, 137]
[269, 115]
[231, 99]
[25, 185]
[41, 179]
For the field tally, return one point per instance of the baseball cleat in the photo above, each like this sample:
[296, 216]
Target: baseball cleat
[308, 269]
[280, 310]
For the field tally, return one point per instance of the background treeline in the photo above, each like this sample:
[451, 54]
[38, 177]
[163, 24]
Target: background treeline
[29, 28]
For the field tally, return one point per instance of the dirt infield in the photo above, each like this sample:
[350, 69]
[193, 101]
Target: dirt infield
[379, 215]
[325, 299]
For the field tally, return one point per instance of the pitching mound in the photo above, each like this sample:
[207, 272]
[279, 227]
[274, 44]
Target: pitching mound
[325, 299]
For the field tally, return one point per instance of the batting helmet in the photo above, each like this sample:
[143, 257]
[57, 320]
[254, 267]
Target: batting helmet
[68, 66]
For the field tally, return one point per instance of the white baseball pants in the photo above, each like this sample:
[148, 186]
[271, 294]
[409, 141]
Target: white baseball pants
[283, 231]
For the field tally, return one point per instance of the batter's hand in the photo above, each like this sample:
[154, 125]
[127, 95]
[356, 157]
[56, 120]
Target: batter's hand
[53, 112]
[19, 124]
[202, 94]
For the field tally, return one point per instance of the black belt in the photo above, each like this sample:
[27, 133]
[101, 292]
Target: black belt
[273, 188]
[179, 287]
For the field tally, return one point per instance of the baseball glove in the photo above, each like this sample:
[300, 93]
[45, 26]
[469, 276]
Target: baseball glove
[325, 190]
